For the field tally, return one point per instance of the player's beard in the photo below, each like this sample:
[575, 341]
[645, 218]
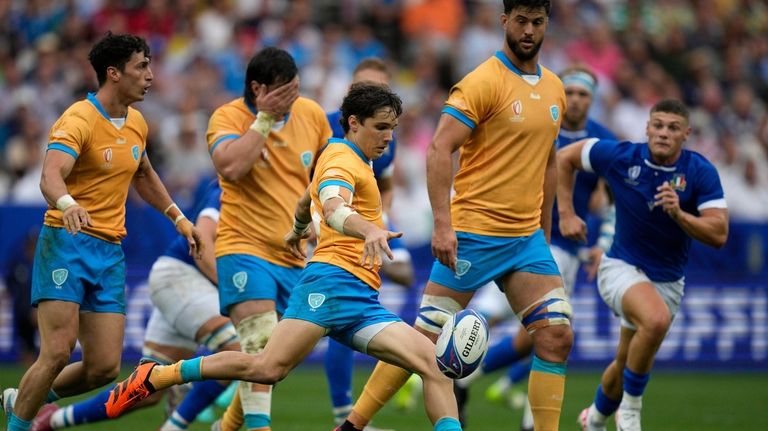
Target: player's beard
[519, 52]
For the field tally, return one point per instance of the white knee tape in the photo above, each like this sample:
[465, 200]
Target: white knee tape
[435, 311]
[254, 331]
[549, 310]
[151, 355]
[220, 337]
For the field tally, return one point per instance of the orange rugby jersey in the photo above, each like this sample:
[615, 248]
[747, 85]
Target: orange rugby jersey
[343, 164]
[106, 158]
[257, 210]
[515, 120]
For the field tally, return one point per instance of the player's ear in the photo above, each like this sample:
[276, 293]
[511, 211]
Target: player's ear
[353, 123]
[113, 73]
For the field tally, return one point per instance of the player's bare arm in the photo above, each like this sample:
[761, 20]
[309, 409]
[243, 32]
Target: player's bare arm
[302, 218]
[709, 227]
[237, 158]
[147, 183]
[568, 162]
[449, 136]
[56, 167]
[550, 190]
[207, 262]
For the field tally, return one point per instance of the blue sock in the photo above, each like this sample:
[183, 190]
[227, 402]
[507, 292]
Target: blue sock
[500, 355]
[605, 405]
[16, 424]
[447, 424]
[91, 410]
[201, 395]
[519, 371]
[634, 384]
[338, 370]
[190, 370]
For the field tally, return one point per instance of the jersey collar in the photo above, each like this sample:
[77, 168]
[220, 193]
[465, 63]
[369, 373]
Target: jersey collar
[647, 160]
[96, 104]
[351, 145]
[507, 62]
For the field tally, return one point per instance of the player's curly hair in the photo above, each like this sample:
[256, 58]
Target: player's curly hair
[364, 99]
[269, 66]
[115, 50]
[527, 5]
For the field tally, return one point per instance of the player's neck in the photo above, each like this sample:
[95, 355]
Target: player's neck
[113, 106]
[529, 67]
[665, 161]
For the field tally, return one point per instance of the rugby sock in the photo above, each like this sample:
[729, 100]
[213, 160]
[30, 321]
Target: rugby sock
[500, 355]
[87, 411]
[338, 370]
[233, 419]
[164, 376]
[604, 406]
[519, 371]
[546, 386]
[634, 386]
[199, 397]
[385, 380]
[256, 399]
[17, 424]
[447, 424]
[52, 397]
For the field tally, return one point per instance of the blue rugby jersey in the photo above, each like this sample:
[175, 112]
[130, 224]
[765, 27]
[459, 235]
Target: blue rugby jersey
[586, 182]
[646, 236]
[208, 207]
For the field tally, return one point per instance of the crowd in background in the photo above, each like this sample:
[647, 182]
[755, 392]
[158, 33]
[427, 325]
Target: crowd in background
[713, 54]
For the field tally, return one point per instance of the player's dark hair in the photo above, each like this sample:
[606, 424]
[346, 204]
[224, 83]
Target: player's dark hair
[364, 99]
[115, 50]
[671, 106]
[529, 5]
[371, 63]
[269, 66]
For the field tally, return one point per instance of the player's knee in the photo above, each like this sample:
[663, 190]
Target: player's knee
[656, 325]
[434, 312]
[552, 309]
[269, 374]
[56, 355]
[254, 331]
[222, 338]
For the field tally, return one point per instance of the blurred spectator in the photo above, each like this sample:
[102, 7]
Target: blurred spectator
[18, 282]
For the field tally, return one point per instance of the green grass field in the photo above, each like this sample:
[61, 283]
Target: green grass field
[675, 401]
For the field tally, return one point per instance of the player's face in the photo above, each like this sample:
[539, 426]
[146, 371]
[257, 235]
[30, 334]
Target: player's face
[136, 77]
[578, 100]
[374, 134]
[666, 134]
[524, 31]
[372, 76]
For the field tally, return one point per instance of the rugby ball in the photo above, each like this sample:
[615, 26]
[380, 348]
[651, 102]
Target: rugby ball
[462, 345]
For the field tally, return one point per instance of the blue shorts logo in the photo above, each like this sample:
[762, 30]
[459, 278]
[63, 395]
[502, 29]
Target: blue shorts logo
[462, 267]
[315, 300]
[135, 152]
[59, 276]
[240, 279]
[306, 158]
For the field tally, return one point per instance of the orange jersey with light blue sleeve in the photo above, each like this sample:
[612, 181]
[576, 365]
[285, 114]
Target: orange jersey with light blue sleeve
[343, 164]
[257, 210]
[106, 159]
[515, 119]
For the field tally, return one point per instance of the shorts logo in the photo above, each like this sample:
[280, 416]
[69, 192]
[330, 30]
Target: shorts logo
[462, 267]
[135, 152]
[306, 158]
[555, 112]
[315, 300]
[240, 279]
[59, 276]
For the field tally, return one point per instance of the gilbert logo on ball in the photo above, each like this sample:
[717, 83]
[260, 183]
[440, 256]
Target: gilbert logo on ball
[462, 345]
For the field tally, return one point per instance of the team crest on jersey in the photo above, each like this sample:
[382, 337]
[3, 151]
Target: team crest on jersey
[315, 300]
[240, 279]
[462, 267]
[135, 152]
[517, 111]
[59, 276]
[633, 173]
[306, 158]
[678, 182]
[554, 111]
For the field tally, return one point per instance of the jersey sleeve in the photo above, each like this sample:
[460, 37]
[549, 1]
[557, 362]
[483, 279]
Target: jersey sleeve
[221, 128]
[332, 172]
[69, 134]
[597, 155]
[708, 190]
[469, 101]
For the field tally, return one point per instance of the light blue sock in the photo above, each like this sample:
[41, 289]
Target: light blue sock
[17, 424]
[257, 421]
[190, 370]
[447, 424]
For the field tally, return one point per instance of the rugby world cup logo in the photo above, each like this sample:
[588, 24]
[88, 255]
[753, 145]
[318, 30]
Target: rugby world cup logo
[59, 276]
[462, 267]
[633, 173]
[240, 279]
[315, 300]
[108, 155]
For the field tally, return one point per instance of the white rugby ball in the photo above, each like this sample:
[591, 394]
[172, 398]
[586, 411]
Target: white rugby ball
[462, 345]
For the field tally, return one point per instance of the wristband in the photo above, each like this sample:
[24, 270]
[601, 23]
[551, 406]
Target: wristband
[262, 124]
[299, 227]
[179, 218]
[175, 218]
[65, 202]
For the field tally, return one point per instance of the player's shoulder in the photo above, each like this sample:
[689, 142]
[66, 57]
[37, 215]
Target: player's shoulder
[550, 77]
[307, 106]
[598, 130]
[82, 110]
[697, 160]
[234, 106]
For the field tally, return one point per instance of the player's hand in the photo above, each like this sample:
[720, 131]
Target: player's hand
[445, 246]
[75, 218]
[573, 227]
[293, 243]
[594, 257]
[376, 247]
[668, 200]
[188, 230]
[278, 102]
